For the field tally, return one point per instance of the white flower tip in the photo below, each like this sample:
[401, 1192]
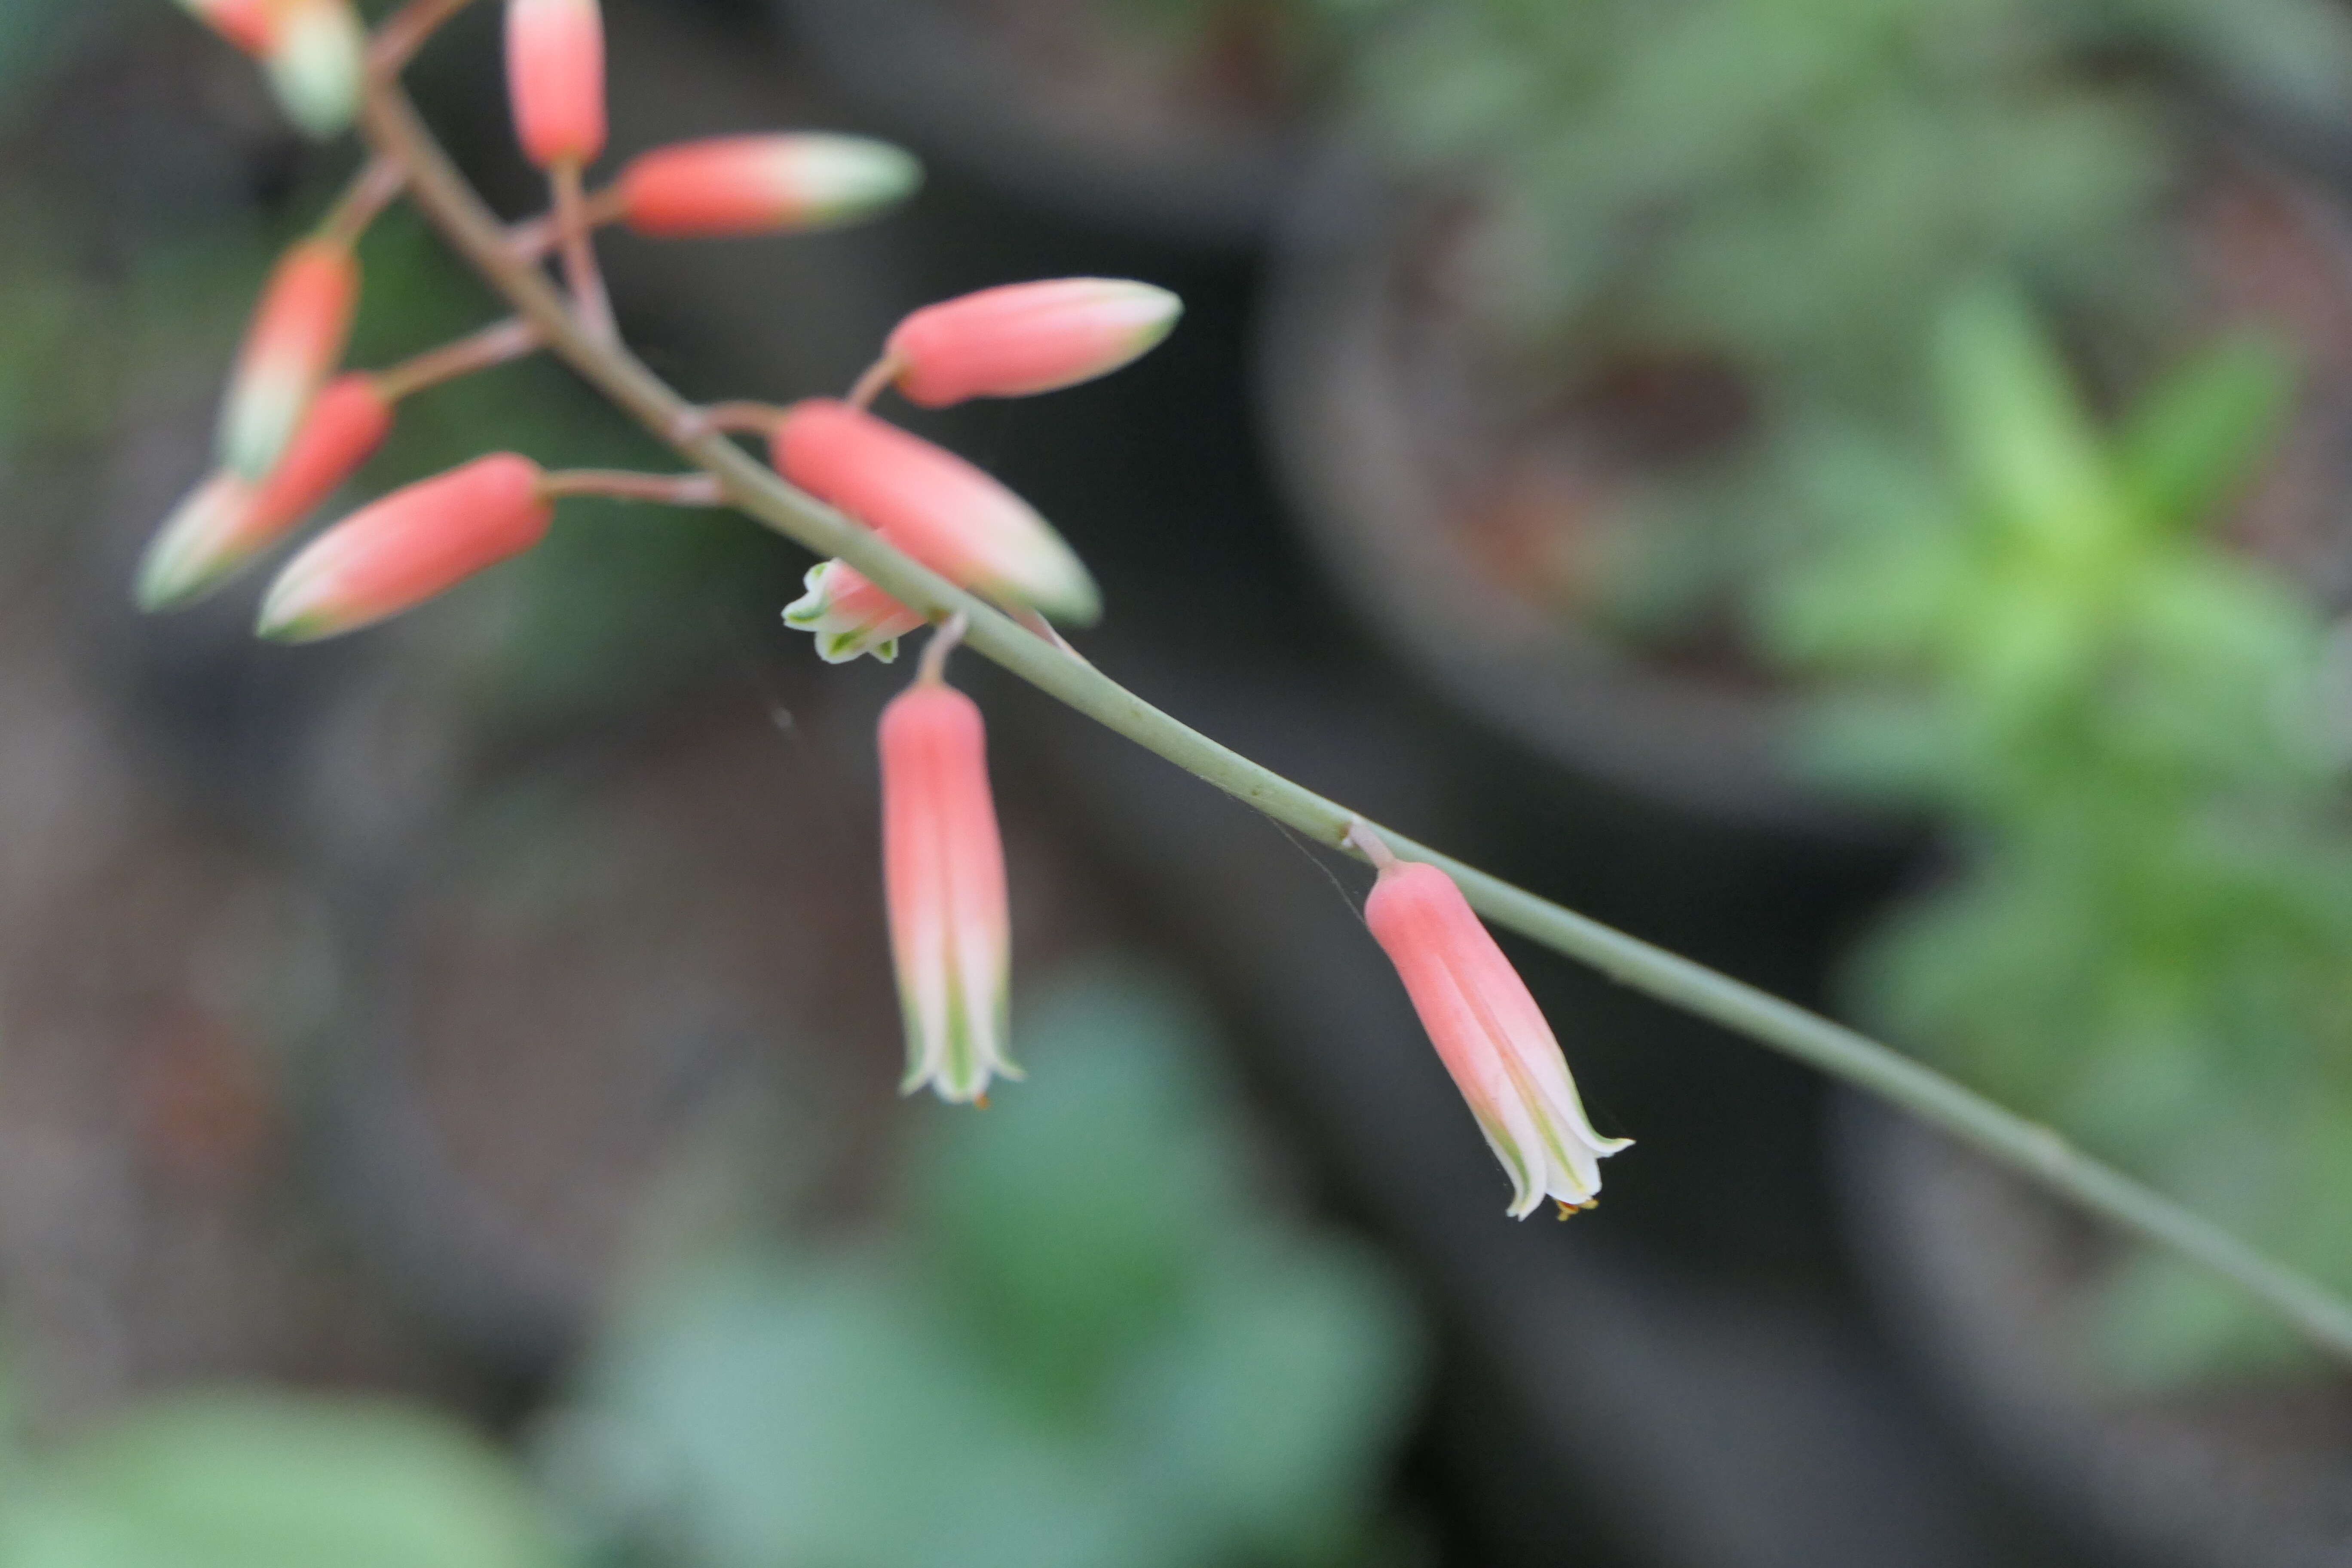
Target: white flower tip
[316, 67]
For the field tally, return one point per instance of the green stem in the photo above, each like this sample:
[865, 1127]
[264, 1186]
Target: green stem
[2033, 1151]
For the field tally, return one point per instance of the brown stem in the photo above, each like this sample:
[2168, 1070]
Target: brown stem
[879, 375]
[371, 190]
[743, 418]
[407, 31]
[574, 235]
[615, 484]
[493, 345]
[534, 239]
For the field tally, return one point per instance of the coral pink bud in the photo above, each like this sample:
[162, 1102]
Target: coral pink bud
[934, 506]
[248, 24]
[413, 543]
[555, 77]
[849, 614]
[297, 337]
[1489, 1032]
[315, 51]
[943, 873]
[200, 548]
[1028, 337]
[757, 184]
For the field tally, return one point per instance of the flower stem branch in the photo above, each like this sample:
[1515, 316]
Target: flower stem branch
[407, 31]
[575, 237]
[374, 188]
[2032, 1150]
[493, 345]
[697, 488]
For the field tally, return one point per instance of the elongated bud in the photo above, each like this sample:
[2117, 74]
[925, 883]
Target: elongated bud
[1026, 338]
[849, 614]
[933, 505]
[760, 184]
[314, 51]
[555, 77]
[413, 543]
[1491, 1036]
[297, 337]
[202, 547]
[943, 873]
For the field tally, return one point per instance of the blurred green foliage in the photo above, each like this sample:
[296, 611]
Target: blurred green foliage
[2143, 937]
[251, 1480]
[1091, 1345]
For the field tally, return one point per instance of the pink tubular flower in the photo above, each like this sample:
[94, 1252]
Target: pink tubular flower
[934, 506]
[760, 184]
[297, 337]
[943, 872]
[201, 547]
[413, 543]
[555, 79]
[1027, 338]
[849, 614]
[314, 51]
[1488, 1031]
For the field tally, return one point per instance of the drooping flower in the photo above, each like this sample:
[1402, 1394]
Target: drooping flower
[933, 505]
[1027, 338]
[849, 614]
[221, 527]
[1488, 1031]
[314, 51]
[296, 339]
[943, 873]
[760, 184]
[555, 79]
[401, 550]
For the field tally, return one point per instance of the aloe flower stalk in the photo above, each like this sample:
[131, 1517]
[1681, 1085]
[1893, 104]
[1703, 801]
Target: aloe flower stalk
[555, 79]
[943, 874]
[1026, 338]
[403, 550]
[849, 614]
[933, 505]
[763, 184]
[1488, 1031]
[202, 546]
[297, 339]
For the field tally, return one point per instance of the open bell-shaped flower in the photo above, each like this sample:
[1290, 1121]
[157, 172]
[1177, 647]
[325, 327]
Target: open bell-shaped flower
[933, 505]
[297, 339]
[1488, 1031]
[1026, 338]
[555, 79]
[849, 614]
[401, 550]
[943, 874]
[761, 184]
[228, 522]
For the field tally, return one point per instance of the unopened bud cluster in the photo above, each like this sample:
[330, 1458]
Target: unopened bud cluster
[293, 431]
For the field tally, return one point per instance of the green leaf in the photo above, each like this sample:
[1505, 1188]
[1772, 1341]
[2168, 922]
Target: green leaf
[2196, 439]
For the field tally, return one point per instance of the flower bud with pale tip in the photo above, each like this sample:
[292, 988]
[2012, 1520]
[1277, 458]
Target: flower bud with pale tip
[849, 614]
[296, 340]
[761, 184]
[403, 550]
[200, 547]
[933, 505]
[314, 51]
[943, 875]
[1488, 1031]
[555, 79]
[1027, 338]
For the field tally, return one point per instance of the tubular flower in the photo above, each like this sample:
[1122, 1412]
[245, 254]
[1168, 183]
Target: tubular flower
[314, 51]
[297, 337]
[555, 79]
[943, 874]
[849, 614]
[413, 543]
[201, 547]
[758, 184]
[933, 505]
[1489, 1032]
[1027, 338]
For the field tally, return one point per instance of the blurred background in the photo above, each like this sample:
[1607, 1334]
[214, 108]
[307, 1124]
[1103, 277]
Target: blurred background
[1854, 491]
